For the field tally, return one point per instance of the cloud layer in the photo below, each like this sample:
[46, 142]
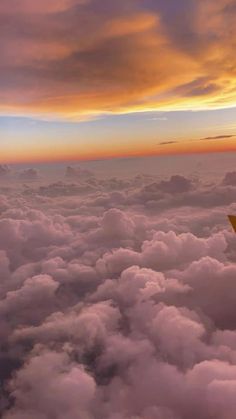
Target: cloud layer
[84, 57]
[117, 298]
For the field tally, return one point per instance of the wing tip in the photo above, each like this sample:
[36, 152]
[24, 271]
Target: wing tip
[232, 219]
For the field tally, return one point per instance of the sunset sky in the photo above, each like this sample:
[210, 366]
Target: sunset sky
[117, 182]
[88, 79]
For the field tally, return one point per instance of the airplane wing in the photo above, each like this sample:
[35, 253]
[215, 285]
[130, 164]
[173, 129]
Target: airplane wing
[232, 219]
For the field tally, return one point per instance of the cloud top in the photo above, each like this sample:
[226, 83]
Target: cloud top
[118, 300]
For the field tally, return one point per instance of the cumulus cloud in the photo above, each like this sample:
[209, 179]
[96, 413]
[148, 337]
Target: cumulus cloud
[176, 184]
[29, 175]
[230, 179]
[4, 170]
[62, 389]
[77, 172]
[117, 299]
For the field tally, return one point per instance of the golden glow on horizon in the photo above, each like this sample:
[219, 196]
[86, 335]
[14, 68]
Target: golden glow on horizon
[50, 154]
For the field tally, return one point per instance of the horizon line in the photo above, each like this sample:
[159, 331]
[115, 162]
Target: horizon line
[119, 157]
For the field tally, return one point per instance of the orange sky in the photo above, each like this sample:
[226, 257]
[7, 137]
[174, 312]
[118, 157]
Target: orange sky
[47, 153]
[77, 60]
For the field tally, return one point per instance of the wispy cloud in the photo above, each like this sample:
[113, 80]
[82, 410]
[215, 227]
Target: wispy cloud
[158, 118]
[219, 137]
[168, 142]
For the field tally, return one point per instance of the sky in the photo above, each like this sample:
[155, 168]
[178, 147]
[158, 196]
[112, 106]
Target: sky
[117, 274]
[91, 79]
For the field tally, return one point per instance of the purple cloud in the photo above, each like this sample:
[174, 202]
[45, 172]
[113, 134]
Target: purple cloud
[118, 303]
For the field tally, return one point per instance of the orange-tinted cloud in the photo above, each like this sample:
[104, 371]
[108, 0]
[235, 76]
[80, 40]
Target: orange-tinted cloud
[31, 7]
[78, 58]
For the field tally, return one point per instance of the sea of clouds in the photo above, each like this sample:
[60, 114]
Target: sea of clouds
[117, 297]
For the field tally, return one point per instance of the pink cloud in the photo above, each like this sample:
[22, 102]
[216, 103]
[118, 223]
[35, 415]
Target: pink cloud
[112, 310]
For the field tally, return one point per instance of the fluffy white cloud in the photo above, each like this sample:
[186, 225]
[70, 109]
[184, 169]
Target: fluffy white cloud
[117, 300]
